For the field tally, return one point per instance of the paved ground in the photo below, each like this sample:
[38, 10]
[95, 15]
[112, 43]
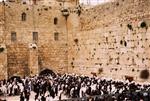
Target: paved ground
[17, 98]
[32, 96]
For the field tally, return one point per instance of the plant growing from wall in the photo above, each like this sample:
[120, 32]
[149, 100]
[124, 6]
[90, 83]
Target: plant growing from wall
[133, 70]
[71, 63]
[144, 74]
[117, 4]
[143, 25]
[100, 70]
[34, 47]
[121, 42]
[130, 27]
[78, 10]
[125, 43]
[1, 49]
[76, 41]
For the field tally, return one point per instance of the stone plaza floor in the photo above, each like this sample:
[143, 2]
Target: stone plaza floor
[32, 96]
[17, 98]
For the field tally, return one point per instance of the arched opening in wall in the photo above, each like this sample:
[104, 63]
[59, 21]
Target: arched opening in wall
[55, 21]
[47, 72]
[23, 16]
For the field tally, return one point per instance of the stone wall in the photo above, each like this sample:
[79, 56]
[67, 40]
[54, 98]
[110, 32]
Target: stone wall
[112, 40]
[17, 59]
[3, 61]
[51, 53]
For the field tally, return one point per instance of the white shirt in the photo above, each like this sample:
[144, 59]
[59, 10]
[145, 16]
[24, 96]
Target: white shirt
[82, 91]
[49, 98]
[93, 87]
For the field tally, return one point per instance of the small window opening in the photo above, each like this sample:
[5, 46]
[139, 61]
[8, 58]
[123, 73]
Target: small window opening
[56, 36]
[13, 36]
[23, 17]
[35, 36]
[55, 21]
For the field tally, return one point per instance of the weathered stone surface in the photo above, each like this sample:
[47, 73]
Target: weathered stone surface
[110, 36]
[51, 53]
[3, 61]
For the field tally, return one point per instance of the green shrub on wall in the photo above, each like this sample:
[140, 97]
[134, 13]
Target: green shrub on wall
[143, 25]
[130, 27]
[100, 70]
[34, 47]
[144, 74]
[76, 41]
[1, 49]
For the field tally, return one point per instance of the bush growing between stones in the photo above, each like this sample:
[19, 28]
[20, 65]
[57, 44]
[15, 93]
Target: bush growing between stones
[71, 63]
[46, 9]
[1, 49]
[133, 70]
[76, 41]
[121, 42]
[125, 43]
[144, 74]
[100, 70]
[117, 4]
[130, 27]
[143, 25]
[78, 12]
[34, 47]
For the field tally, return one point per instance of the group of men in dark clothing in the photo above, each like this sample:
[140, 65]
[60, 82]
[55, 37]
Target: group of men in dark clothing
[50, 88]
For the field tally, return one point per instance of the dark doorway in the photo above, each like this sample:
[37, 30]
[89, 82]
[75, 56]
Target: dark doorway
[47, 72]
[130, 78]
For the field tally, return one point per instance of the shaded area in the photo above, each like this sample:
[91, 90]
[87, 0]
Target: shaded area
[130, 78]
[17, 78]
[47, 72]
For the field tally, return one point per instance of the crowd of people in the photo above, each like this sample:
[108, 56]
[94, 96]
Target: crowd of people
[54, 88]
